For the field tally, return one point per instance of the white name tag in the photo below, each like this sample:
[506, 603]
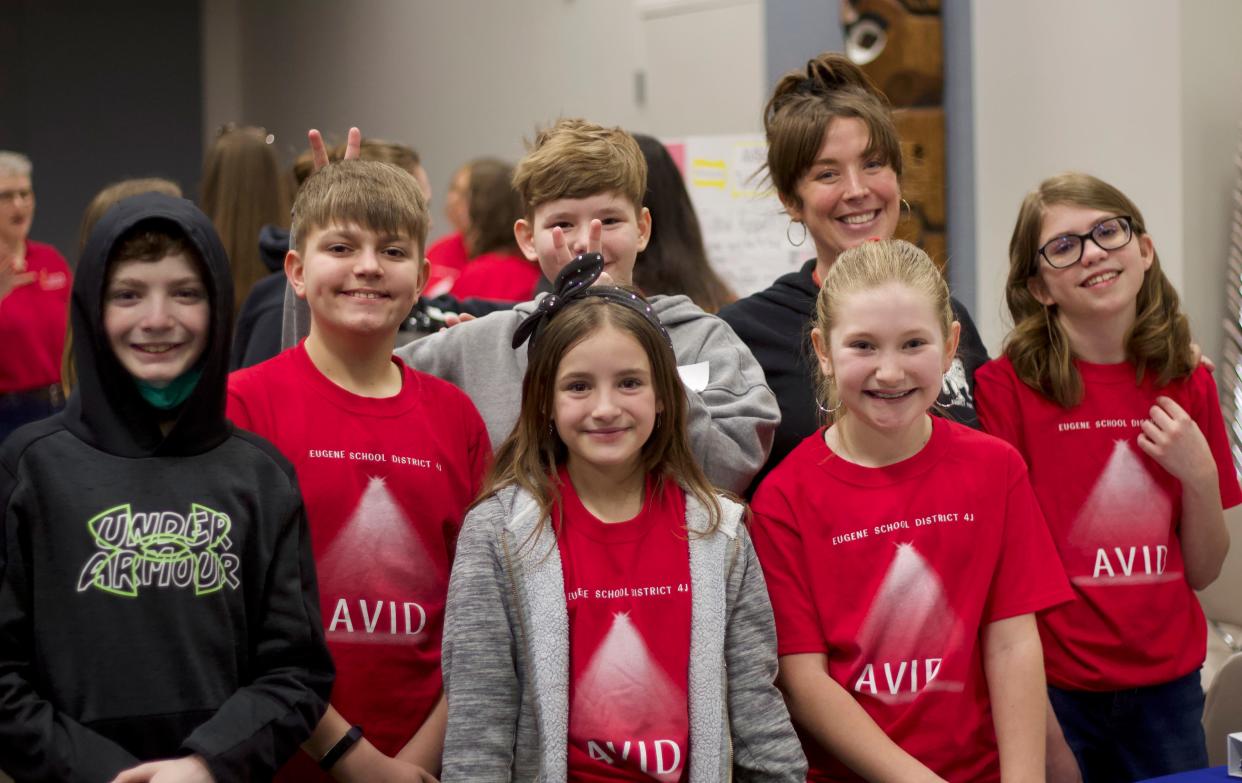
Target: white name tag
[694, 376]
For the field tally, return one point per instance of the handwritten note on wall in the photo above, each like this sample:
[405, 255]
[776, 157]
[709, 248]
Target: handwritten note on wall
[744, 225]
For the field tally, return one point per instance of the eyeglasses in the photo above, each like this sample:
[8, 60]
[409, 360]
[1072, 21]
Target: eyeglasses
[8, 196]
[1066, 250]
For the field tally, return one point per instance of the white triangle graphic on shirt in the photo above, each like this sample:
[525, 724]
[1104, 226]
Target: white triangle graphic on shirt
[624, 692]
[378, 550]
[910, 621]
[1126, 506]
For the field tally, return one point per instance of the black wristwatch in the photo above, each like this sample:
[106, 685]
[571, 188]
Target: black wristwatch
[343, 744]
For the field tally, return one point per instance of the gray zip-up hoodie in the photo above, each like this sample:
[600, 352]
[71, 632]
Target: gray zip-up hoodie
[731, 419]
[506, 654]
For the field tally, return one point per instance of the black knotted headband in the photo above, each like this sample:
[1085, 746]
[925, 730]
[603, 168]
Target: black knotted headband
[573, 283]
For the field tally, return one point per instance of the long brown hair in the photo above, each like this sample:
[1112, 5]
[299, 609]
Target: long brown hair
[675, 260]
[1038, 348]
[244, 190]
[529, 457]
[494, 205]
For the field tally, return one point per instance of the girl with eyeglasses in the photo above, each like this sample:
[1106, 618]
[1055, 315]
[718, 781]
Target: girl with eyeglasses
[1101, 392]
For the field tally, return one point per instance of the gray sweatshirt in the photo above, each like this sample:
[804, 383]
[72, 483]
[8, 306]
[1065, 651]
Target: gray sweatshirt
[731, 420]
[506, 654]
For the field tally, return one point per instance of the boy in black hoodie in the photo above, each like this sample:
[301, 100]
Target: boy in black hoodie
[157, 590]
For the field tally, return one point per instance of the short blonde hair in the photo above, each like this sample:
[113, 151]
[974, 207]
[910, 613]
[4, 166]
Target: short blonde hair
[868, 266]
[578, 159]
[376, 196]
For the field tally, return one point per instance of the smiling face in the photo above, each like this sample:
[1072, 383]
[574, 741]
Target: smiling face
[356, 280]
[847, 196]
[887, 356]
[17, 205]
[604, 402]
[1103, 287]
[156, 317]
[626, 230]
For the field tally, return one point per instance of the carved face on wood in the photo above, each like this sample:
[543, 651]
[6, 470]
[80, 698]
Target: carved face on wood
[897, 43]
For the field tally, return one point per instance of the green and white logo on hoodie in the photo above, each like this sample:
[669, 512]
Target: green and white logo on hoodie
[160, 549]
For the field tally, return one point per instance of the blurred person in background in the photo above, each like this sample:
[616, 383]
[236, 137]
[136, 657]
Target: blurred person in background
[497, 270]
[34, 298]
[448, 254]
[243, 190]
[675, 261]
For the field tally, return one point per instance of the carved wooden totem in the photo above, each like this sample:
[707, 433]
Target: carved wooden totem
[897, 43]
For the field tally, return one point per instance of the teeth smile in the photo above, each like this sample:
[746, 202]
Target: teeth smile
[156, 347]
[1100, 278]
[866, 217]
[364, 294]
[889, 395]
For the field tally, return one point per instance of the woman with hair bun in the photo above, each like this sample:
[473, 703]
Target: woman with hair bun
[835, 159]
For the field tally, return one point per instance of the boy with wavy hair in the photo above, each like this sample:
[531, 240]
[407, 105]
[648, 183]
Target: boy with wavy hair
[582, 187]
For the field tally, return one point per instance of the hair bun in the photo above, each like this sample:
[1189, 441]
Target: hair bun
[830, 72]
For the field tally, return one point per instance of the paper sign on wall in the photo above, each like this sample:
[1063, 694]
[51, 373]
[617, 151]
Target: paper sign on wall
[744, 224]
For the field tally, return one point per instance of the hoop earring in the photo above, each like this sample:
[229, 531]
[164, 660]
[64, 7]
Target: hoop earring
[909, 209]
[800, 242]
[827, 411]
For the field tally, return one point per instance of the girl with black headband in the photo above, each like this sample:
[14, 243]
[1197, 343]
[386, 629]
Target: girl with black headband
[607, 618]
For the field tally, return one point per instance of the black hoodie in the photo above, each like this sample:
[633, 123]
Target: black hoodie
[157, 592]
[259, 321]
[775, 324]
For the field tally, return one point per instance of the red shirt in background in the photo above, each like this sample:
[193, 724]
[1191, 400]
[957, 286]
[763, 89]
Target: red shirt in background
[386, 484]
[448, 257]
[627, 589]
[33, 319]
[1115, 516]
[893, 572]
[499, 276]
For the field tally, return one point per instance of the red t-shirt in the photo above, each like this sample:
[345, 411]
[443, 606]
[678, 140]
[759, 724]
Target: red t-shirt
[627, 588]
[1114, 514]
[448, 257]
[386, 484]
[498, 276]
[893, 572]
[33, 318]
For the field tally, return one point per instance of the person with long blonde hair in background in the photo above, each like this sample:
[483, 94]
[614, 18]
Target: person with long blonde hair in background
[243, 190]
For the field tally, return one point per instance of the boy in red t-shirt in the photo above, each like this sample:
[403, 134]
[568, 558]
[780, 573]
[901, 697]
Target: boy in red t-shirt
[388, 459]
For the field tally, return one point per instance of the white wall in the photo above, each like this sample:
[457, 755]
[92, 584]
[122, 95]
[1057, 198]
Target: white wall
[467, 78]
[1211, 115]
[1042, 72]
